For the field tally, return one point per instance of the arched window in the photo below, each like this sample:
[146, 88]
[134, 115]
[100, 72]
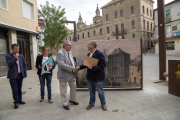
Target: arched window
[107, 17]
[142, 9]
[133, 24]
[147, 12]
[88, 35]
[132, 9]
[100, 31]
[121, 13]
[115, 13]
[150, 13]
[83, 35]
[94, 33]
[147, 25]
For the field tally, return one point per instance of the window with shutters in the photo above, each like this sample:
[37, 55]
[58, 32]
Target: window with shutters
[28, 9]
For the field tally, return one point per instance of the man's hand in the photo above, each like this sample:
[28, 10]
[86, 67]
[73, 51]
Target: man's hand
[78, 67]
[39, 67]
[74, 69]
[17, 55]
[90, 67]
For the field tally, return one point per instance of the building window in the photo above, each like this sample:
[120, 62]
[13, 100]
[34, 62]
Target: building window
[70, 38]
[151, 26]
[66, 38]
[133, 24]
[168, 30]
[94, 33]
[170, 45]
[83, 35]
[28, 9]
[107, 17]
[100, 31]
[148, 35]
[108, 30]
[108, 38]
[121, 13]
[133, 35]
[168, 14]
[142, 9]
[147, 25]
[147, 12]
[115, 14]
[150, 13]
[132, 10]
[78, 37]
[122, 27]
[3, 4]
[88, 34]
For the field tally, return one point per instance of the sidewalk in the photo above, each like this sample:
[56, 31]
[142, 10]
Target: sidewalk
[152, 103]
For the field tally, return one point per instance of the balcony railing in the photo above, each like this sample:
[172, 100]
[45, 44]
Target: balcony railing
[119, 32]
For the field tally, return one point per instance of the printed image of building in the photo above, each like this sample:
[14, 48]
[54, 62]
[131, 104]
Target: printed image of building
[135, 71]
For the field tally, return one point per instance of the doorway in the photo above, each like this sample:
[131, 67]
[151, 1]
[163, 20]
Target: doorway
[24, 47]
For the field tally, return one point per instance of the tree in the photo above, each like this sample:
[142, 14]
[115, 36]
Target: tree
[54, 30]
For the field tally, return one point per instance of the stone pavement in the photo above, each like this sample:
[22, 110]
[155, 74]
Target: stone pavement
[152, 103]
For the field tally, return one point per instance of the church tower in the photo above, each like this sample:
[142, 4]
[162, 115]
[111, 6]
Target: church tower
[97, 18]
[80, 23]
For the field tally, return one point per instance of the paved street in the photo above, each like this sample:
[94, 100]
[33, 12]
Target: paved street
[152, 103]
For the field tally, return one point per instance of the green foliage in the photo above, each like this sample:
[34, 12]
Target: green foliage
[54, 30]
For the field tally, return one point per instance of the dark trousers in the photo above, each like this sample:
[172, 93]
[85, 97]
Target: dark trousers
[16, 86]
[48, 78]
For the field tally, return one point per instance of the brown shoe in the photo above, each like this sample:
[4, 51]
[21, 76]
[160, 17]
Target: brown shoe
[89, 107]
[50, 101]
[104, 107]
[41, 100]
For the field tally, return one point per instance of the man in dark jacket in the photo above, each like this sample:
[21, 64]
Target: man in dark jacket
[95, 76]
[17, 71]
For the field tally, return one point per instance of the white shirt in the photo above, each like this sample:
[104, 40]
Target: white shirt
[43, 71]
[72, 60]
[91, 54]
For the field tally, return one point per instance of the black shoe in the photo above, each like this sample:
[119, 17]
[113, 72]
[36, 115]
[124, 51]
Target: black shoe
[21, 102]
[74, 102]
[66, 107]
[16, 106]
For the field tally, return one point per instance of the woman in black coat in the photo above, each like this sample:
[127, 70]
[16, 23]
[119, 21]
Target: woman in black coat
[44, 73]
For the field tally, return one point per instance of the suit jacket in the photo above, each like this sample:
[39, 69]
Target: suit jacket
[97, 73]
[65, 69]
[39, 62]
[13, 67]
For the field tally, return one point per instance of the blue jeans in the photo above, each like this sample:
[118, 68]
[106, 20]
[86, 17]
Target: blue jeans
[48, 78]
[16, 86]
[92, 91]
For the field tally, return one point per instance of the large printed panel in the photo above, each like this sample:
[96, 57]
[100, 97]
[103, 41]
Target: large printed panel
[123, 63]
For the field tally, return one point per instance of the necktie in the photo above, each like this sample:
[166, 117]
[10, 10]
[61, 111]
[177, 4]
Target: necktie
[70, 60]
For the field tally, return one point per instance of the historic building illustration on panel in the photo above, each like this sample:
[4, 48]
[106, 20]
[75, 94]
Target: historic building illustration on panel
[123, 62]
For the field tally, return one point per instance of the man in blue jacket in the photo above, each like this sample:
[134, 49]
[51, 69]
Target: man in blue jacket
[95, 76]
[17, 71]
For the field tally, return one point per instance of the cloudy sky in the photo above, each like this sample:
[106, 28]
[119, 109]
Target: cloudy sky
[86, 7]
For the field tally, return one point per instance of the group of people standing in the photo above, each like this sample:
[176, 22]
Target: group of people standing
[65, 74]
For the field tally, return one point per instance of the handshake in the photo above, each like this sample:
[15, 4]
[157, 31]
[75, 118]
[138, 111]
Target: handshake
[75, 69]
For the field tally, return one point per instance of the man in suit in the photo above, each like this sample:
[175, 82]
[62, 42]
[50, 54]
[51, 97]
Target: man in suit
[95, 76]
[17, 71]
[65, 74]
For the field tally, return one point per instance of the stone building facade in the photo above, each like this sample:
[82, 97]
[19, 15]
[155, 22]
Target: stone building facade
[121, 19]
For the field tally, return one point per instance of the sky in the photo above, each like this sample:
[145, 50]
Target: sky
[87, 8]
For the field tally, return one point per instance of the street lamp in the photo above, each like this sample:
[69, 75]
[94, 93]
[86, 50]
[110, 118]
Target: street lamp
[144, 34]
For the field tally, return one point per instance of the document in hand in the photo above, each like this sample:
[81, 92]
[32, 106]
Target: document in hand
[90, 61]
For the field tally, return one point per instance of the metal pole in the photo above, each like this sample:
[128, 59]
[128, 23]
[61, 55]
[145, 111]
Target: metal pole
[144, 34]
[162, 39]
